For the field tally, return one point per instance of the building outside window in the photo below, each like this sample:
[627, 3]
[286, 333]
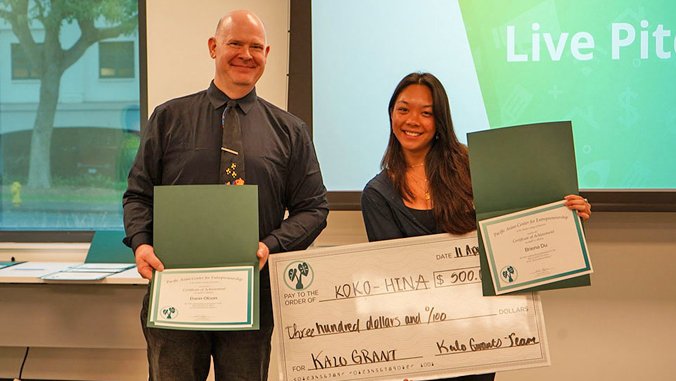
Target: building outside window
[116, 59]
[22, 68]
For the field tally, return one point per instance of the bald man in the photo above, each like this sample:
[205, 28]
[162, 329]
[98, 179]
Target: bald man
[182, 145]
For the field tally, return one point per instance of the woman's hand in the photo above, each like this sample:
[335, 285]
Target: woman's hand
[580, 205]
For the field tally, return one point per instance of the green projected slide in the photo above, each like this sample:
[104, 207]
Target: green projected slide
[609, 67]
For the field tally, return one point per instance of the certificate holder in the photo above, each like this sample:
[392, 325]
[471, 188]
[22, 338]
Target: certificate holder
[207, 237]
[107, 247]
[534, 247]
[517, 168]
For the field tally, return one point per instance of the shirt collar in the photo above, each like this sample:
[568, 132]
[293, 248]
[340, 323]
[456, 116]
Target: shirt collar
[218, 98]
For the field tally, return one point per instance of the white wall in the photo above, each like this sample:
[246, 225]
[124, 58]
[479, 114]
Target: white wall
[178, 56]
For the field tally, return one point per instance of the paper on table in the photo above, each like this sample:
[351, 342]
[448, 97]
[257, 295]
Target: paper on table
[111, 268]
[34, 269]
[75, 275]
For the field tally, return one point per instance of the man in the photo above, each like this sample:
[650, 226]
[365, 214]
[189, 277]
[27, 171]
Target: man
[182, 145]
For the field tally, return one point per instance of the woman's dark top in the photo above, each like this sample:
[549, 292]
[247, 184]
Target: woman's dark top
[386, 216]
[425, 217]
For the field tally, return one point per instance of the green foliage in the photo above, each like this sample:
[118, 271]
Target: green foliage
[111, 11]
[114, 11]
[98, 20]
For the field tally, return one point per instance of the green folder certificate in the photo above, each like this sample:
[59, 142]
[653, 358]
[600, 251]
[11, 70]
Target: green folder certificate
[206, 236]
[533, 247]
[107, 247]
[518, 168]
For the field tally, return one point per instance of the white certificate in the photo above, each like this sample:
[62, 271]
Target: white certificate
[214, 298]
[87, 271]
[103, 267]
[75, 275]
[406, 308]
[535, 247]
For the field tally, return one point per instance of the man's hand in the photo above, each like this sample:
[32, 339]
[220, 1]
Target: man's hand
[263, 253]
[146, 261]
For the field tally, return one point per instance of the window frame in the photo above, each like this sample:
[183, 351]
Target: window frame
[117, 60]
[15, 51]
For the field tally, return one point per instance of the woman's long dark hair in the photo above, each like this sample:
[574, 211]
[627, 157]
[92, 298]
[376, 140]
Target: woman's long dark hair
[446, 163]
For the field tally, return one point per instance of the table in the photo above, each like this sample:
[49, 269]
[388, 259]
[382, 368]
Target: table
[72, 330]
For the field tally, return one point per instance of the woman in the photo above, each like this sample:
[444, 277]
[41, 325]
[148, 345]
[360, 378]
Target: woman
[424, 187]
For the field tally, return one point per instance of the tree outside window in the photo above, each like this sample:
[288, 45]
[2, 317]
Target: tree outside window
[66, 137]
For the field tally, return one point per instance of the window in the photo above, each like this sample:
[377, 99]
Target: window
[65, 153]
[116, 59]
[22, 68]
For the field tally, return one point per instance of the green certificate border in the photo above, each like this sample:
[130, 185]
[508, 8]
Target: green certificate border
[250, 324]
[539, 281]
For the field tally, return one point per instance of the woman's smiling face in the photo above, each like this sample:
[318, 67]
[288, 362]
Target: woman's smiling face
[413, 119]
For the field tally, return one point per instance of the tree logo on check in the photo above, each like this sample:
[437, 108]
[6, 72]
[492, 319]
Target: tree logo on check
[509, 274]
[299, 275]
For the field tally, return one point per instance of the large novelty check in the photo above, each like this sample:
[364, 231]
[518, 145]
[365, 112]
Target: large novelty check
[406, 308]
